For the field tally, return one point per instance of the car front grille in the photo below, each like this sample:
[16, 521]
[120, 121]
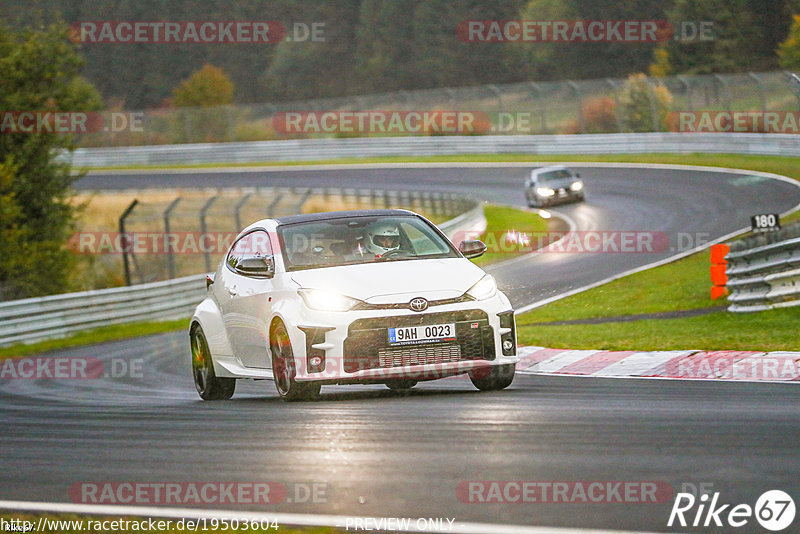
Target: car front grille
[401, 357]
[367, 344]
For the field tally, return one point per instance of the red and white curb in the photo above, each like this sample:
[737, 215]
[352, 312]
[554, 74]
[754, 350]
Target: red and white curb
[780, 366]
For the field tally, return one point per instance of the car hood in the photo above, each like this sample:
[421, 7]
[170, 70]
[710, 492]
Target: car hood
[556, 184]
[395, 281]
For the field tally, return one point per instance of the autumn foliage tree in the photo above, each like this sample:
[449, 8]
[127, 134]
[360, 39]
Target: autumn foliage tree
[40, 73]
[202, 95]
[789, 50]
[644, 106]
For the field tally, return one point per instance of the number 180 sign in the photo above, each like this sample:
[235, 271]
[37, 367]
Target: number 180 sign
[765, 222]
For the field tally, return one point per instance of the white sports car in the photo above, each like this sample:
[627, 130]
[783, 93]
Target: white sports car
[372, 296]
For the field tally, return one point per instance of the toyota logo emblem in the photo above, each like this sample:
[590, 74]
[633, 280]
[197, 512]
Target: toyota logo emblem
[418, 304]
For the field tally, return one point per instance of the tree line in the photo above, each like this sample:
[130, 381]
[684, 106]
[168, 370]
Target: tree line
[373, 46]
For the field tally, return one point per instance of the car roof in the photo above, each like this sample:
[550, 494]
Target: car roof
[550, 168]
[328, 215]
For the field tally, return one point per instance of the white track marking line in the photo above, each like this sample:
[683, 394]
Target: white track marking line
[281, 518]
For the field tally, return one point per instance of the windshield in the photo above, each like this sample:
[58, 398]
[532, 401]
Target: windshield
[552, 176]
[359, 239]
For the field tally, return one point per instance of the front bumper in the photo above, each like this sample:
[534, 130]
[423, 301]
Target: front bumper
[354, 347]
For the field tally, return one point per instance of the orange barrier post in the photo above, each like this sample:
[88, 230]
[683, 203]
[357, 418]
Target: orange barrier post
[719, 278]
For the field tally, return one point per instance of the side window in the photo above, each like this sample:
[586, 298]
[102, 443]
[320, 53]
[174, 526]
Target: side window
[255, 244]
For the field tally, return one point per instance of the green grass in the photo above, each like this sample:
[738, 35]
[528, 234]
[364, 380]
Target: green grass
[501, 219]
[681, 285]
[97, 335]
[768, 330]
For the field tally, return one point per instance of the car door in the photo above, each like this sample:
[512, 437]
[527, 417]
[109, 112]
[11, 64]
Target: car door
[245, 297]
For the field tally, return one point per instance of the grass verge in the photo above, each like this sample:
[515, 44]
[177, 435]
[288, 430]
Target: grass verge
[499, 221]
[768, 330]
[681, 285]
[97, 335]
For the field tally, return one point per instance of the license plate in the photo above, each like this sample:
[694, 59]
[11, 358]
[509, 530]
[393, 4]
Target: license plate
[415, 335]
[562, 192]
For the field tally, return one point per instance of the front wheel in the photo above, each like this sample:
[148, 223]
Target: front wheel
[493, 378]
[284, 371]
[208, 385]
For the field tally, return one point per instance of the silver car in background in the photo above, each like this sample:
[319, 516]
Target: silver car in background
[553, 185]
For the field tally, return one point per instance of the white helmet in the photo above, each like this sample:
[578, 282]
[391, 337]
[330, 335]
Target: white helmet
[381, 237]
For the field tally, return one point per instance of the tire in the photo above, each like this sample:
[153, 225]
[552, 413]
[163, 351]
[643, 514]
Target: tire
[284, 371]
[208, 385]
[400, 384]
[494, 378]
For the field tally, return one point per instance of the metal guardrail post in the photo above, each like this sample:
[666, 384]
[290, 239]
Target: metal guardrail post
[726, 97]
[688, 85]
[274, 204]
[303, 199]
[237, 211]
[498, 94]
[615, 89]
[794, 85]
[124, 238]
[204, 228]
[762, 95]
[170, 255]
[651, 93]
[579, 99]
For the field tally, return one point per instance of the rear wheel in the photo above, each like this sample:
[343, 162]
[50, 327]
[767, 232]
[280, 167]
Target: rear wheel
[493, 378]
[208, 385]
[284, 371]
[400, 384]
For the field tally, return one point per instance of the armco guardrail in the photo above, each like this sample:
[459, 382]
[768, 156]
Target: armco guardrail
[322, 149]
[36, 319]
[764, 271]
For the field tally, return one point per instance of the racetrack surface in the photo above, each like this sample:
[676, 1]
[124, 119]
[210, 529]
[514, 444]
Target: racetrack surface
[382, 453]
[690, 207]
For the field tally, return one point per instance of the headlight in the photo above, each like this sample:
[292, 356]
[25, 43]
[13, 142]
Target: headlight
[484, 289]
[545, 192]
[323, 300]
[576, 186]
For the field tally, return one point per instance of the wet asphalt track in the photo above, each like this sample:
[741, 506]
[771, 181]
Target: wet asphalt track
[386, 454]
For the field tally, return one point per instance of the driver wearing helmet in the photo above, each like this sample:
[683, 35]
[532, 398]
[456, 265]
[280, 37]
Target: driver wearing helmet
[381, 238]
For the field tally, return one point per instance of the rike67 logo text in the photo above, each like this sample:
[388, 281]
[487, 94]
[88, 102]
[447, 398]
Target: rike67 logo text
[774, 510]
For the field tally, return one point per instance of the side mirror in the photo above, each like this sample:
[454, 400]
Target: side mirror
[472, 248]
[577, 175]
[256, 266]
